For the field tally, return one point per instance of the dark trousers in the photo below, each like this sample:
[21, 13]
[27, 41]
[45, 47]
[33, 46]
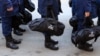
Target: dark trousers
[48, 35]
[6, 25]
[16, 21]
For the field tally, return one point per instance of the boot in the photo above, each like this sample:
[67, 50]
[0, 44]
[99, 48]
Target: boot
[17, 32]
[86, 47]
[47, 36]
[10, 43]
[16, 41]
[51, 46]
[50, 43]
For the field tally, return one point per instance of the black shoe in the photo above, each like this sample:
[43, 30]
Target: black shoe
[85, 47]
[17, 32]
[16, 41]
[22, 30]
[54, 42]
[51, 46]
[11, 45]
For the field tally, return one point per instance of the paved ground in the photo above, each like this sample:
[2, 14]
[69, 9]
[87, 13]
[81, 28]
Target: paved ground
[33, 42]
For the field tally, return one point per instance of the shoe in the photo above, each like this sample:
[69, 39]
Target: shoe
[17, 32]
[51, 46]
[85, 47]
[22, 30]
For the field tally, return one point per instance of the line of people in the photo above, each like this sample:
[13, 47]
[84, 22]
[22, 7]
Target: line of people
[10, 9]
[9, 13]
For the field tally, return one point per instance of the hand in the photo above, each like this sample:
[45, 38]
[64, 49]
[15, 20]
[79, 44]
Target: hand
[10, 9]
[87, 14]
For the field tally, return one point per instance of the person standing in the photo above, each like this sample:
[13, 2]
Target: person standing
[17, 20]
[84, 11]
[44, 8]
[9, 8]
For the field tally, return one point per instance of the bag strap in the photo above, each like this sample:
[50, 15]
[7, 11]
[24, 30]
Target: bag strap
[51, 11]
[53, 14]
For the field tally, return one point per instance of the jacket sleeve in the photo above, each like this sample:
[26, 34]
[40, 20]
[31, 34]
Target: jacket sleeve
[87, 5]
[8, 3]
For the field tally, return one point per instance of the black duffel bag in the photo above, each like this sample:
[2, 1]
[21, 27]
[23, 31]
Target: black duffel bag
[26, 17]
[85, 35]
[29, 5]
[48, 25]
